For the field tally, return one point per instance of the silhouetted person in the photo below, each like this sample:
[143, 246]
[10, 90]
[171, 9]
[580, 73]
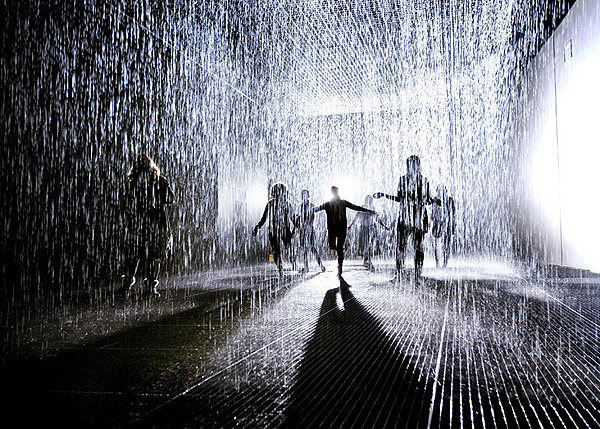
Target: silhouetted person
[280, 214]
[443, 225]
[305, 218]
[337, 223]
[366, 231]
[413, 195]
[147, 230]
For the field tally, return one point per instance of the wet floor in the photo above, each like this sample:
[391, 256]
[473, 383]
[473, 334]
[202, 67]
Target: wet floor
[478, 344]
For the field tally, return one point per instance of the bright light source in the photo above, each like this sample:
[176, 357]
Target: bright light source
[348, 189]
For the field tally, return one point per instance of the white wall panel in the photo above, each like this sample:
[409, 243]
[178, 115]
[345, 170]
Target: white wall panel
[540, 158]
[561, 142]
[577, 65]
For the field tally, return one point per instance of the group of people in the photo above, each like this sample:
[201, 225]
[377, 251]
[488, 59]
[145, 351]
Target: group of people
[284, 221]
[413, 195]
[148, 194]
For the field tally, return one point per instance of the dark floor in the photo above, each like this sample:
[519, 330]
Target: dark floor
[478, 344]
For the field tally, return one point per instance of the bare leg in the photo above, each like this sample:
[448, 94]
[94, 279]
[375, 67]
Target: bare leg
[279, 263]
[276, 248]
[368, 264]
[341, 240]
[318, 257]
[278, 260]
[447, 247]
[367, 257]
[402, 238]
[293, 255]
[418, 236]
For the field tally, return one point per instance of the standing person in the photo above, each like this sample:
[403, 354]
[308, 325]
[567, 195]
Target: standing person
[305, 218]
[444, 225]
[366, 231]
[147, 230]
[337, 223]
[413, 195]
[280, 214]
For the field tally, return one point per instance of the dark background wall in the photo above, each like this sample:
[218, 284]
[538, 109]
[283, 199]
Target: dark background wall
[85, 88]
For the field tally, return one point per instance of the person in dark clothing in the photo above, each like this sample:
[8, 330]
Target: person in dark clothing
[366, 231]
[444, 225]
[304, 221]
[147, 229]
[280, 214]
[337, 223]
[413, 195]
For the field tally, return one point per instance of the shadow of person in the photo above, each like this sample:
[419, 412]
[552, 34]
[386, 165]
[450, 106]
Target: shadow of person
[352, 373]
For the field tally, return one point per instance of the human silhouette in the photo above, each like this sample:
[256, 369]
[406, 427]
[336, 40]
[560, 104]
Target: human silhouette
[280, 214]
[337, 222]
[146, 197]
[366, 225]
[413, 195]
[443, 225]
[304, 221]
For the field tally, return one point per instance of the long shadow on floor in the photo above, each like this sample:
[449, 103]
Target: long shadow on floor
[352, 374]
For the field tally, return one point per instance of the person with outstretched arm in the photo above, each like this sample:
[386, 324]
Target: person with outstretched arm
[413, 195]
[337, 222]
[280, 215]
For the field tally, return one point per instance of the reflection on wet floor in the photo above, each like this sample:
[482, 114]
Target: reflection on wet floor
[473, 345]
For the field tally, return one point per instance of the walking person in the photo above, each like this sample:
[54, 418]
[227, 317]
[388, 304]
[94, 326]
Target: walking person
[337, 222]
[305, 218]
[413, 195]
[366, 225]
[280, 215]
[147, 196]
[444, 226]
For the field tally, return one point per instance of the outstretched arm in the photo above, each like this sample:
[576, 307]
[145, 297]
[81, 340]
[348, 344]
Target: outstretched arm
[358, 208]
[388, 196]
[262, 220]
[319, 208]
